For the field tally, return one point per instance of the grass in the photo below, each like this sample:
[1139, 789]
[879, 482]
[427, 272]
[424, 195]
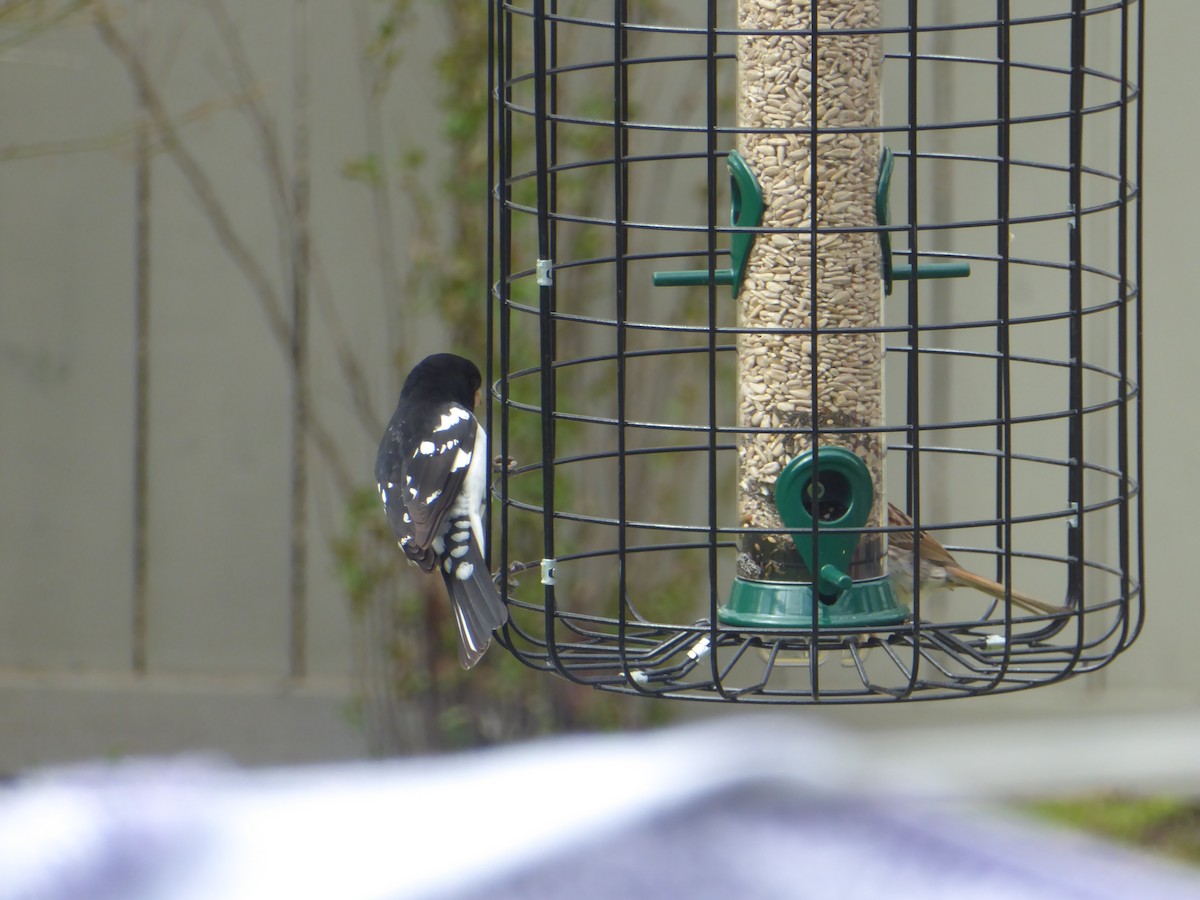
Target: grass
[1169, 826]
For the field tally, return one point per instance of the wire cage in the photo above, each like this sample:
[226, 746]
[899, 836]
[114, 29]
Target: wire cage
[799, 310]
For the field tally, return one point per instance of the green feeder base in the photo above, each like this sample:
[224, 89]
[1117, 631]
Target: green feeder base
[767, 604]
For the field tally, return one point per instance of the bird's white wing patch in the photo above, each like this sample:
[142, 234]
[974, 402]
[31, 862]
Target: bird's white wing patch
[461, 460]
[438, 475]
[450, 418]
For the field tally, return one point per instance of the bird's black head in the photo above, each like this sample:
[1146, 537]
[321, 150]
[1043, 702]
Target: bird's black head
[443, 377]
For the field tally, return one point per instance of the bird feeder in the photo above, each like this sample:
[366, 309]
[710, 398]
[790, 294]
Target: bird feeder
[762, 271]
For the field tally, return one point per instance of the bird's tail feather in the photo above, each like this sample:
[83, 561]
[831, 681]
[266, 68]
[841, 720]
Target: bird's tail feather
[478, 609]
[970, 579]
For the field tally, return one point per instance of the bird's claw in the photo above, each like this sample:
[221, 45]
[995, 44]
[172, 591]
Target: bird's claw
[514, 568]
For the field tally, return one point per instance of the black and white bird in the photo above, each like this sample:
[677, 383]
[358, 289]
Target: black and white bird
[432, 470]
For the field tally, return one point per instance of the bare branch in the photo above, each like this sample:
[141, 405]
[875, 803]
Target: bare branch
[123, 142]
[267, 135]
[380, 187]
[287, 204]
[220, 221]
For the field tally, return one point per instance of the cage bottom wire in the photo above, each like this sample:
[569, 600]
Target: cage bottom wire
[915, 660]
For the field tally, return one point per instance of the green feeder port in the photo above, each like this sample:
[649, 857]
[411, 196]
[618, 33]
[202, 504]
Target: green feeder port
[747, 212]
[893, 271]
[832, 496]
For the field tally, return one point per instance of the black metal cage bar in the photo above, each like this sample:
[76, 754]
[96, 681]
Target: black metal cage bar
[649, 425]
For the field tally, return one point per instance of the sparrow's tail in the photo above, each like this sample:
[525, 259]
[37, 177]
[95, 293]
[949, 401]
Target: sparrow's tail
[478, 609]
[957, 575]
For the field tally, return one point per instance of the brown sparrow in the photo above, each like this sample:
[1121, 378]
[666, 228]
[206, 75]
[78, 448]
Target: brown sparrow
[939, 569]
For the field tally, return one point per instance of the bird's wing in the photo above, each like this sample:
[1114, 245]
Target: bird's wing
[933, 552]
[931, 549]
[389, 473]
[432, 472]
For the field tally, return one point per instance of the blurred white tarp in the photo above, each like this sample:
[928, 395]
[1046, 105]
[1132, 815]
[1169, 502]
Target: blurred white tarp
[748, 807]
